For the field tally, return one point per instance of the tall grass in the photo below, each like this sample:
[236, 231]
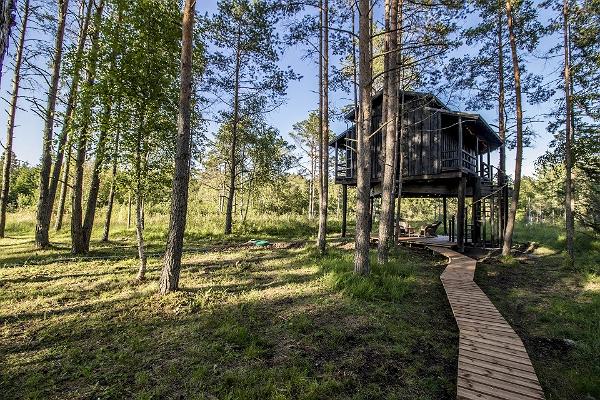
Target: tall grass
[553, 238]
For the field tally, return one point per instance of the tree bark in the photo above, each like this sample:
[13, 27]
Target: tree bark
[129, 211]
[234, 133]
[569, 138]
[324, 136]
[512, 212]
[79, 242]
[7, 20]
[69, 112]
[113, 190]
[363, 156]
[386, 225]
[139, 199]
[92, 199]
[64, 187]
[139, 232]
[11, 121]
[501, 122]
[169, 279]
[400, 130]
[43, 214]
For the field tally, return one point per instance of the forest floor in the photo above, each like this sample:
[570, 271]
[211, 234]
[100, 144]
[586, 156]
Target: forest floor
[251, 323]
[555, 310]
[276, 322]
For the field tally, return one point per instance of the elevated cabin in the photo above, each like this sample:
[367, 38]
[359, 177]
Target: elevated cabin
[445, 153]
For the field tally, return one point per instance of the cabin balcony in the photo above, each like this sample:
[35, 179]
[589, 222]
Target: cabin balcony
[345, 167]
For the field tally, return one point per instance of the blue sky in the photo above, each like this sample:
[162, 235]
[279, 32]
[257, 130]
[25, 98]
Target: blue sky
[302, 98]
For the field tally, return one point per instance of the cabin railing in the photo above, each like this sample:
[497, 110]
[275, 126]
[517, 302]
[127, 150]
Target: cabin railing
[342, 171]
[451, 160]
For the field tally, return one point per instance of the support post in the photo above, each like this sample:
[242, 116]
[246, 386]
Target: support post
[476, 217]
[460, 214]
[460, 144]
[445, 214]
[344, 209]
[489, 166]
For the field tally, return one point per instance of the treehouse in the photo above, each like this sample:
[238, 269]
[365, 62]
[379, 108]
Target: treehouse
[444, 154]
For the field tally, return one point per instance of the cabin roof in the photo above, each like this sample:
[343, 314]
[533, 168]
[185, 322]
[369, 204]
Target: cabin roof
[428, 99]
[431, 101]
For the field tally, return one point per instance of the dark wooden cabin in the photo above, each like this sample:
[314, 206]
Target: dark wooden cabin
[445, 153]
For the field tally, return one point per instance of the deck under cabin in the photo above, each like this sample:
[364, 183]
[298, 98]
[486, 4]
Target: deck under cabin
[444, 154]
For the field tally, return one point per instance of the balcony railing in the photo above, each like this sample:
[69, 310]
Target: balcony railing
[450, 160]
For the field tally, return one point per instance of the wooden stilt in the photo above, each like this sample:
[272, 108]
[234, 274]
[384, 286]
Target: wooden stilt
[460, 215]
[476, 211]
[445, 216]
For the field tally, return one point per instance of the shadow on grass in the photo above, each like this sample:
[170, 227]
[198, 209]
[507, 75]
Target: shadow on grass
[556, 312]
[272, 326]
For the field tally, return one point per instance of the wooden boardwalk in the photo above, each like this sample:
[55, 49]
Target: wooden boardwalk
[492, 361]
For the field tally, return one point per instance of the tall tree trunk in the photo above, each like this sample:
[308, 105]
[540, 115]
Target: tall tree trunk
[311, 184]
[569, 138]
[363, 153]
[169, 279]
[501, 120]
[400, 130]
[79, 242]
[139, 200]
[43, 211]
[70, 110]
[391, 130]
[512, 212]
[139, 232]
[7, 20]
[92, 199]
[234, 138]
[113, 190]
[129, 211]
[64, 187]
[11, 121]
[324, 143]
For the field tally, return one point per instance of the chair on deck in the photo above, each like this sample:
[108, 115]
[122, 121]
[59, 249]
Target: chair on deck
[406, 229]
[430, 230]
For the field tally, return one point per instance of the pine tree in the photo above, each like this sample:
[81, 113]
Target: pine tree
[169, 280]
[8, 153]
[244, 70]
[363, 133]
[44, 211]
[7, 20]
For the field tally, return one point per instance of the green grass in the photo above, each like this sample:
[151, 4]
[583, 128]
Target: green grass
[249, 323]
[551, 239]
[555, 310]
[279, 322]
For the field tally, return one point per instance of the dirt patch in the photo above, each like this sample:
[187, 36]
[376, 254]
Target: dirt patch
[549, 347]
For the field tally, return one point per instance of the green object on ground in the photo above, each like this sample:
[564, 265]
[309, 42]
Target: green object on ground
[261, 243]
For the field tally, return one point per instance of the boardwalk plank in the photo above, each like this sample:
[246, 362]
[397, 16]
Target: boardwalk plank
[492, 362]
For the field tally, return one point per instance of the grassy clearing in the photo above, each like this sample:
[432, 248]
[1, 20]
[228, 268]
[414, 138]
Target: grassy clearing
[255, 323]
[550, 239]
[556, 311]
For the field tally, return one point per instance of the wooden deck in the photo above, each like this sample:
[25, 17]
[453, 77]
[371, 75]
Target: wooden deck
[438, 241]
[492, 361]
